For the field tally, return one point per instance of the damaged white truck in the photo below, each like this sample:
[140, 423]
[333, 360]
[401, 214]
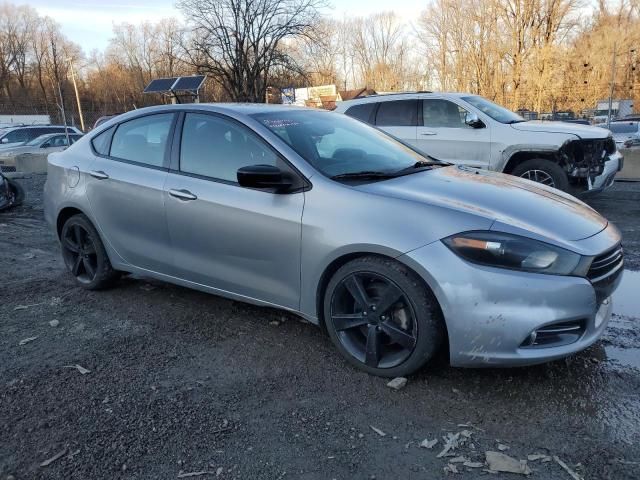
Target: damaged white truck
[468, 129]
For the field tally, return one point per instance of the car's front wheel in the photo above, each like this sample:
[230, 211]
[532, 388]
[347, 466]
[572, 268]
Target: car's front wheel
[381, 317]
[85, 255]
[543, 171]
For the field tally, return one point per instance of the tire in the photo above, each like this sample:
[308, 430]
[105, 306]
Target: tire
[84, 254]
[549, 170]
[416, 314]
[18, 193]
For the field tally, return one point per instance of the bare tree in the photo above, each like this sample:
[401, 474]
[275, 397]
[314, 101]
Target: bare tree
[239, 42]
[316, 56]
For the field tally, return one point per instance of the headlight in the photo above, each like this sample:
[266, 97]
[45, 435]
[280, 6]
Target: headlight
[502, 250]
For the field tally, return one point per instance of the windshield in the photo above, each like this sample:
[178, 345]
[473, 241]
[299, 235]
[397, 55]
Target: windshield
[37, 141]
[338, 145]
[495, 111]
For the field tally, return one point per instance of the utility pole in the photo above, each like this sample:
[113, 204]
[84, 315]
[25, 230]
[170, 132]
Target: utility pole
[64, 116]
[613, 75]
[75, 87]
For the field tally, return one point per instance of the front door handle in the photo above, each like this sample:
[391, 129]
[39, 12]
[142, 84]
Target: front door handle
[428, 133]
[182, 194]
[99, 174]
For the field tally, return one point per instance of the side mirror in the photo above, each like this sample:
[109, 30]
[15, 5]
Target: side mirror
[472, 120]
[45, 145]
[264, 176]
[4, 140]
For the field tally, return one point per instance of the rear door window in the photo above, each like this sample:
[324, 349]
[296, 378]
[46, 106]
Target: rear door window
[398, 113]
[363, 112]
[143, 140]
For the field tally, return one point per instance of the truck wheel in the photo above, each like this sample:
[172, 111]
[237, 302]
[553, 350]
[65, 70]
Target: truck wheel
[543, 171]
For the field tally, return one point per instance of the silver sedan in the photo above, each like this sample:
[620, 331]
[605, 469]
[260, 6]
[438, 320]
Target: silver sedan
[393, 253]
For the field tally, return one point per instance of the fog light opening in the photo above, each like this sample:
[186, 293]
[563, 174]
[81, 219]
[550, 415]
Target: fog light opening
[555, 335]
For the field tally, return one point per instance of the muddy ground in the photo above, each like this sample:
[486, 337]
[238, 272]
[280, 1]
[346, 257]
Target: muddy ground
[183, 382]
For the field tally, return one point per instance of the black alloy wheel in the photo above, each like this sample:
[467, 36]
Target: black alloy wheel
[80, 253]
[375, 322]
[84, 254]
[382, 317]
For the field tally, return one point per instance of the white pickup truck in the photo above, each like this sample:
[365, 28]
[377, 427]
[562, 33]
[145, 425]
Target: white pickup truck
[468, 129]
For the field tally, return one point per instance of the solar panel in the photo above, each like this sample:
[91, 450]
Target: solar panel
[189, 83]
[160, 85]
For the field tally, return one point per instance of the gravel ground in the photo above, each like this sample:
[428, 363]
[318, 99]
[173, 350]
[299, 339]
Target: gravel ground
[183, 382]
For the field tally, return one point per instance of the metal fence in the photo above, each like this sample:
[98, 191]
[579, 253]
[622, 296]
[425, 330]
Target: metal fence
[90, 112]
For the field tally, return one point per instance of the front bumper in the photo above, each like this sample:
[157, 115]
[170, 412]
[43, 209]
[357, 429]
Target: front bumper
[612, 166]
[490, 313]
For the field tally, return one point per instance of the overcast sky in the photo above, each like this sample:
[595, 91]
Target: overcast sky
[89, 22]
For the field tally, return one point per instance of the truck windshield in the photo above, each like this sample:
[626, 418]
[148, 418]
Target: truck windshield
[495, 111]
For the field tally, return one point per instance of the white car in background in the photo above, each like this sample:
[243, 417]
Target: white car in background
[42, 145]
[626, 133]
[12, 137]
[463, 128]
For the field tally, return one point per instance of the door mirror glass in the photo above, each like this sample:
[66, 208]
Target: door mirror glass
[472, 120]
[264, 176]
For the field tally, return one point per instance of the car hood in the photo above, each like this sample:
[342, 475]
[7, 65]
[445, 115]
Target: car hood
[9, 146]
[581, 131]
[10, 152]
[507, 200]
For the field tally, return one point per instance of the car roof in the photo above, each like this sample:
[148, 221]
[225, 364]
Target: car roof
[45, 136]
[627, 121]
[244, 108]
[36, 126]
[405, 96]
[231, 109]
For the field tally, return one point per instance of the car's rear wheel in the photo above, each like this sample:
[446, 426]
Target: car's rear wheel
[85, 255]
[543, 171]
[382, 317]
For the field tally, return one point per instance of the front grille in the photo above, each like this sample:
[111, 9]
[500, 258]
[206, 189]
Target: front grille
[605, 264]
[605, 272]
[591, 153]
[555, 335]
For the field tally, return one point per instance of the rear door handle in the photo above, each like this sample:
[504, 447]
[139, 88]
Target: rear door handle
[182, 194]
[428, 133]
[99, 174]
